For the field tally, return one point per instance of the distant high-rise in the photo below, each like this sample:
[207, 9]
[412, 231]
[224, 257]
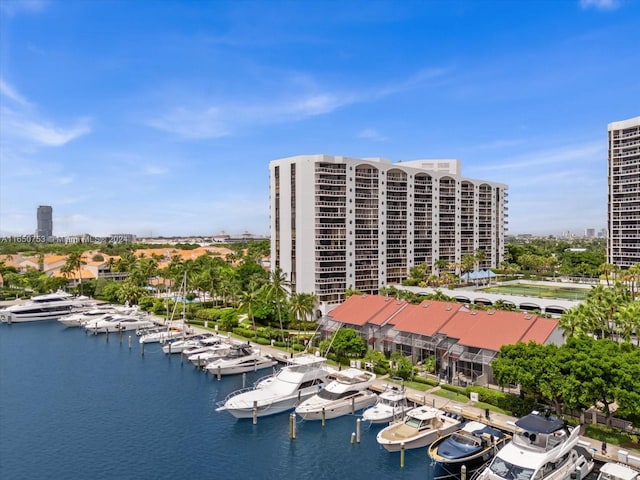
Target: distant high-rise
[623, 241]
[45, 221]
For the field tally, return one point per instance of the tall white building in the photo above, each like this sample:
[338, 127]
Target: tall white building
[623, 241]
[340, 222]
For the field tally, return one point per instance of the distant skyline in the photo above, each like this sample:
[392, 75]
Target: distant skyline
[161, 118]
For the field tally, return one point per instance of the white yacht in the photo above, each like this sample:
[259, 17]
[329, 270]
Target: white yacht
[542, 447]
[181, 344]
[201, 356]
[618, 471]
[298, 380]
[240, 359]
[79, 319]
[391, 407]
[117, 323]
[420, 427]
[45, 307]
[162, 335]
[347, 393]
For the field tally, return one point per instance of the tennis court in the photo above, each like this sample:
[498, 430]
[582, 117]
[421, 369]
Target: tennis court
[541, 291]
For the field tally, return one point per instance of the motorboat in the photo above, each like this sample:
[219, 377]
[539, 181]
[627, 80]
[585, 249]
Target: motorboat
[543, 447]
[618, 471]
[161, 335]
[117, 323]
[473, 446]
[240, 359]
[80, 318]
[298, 380]
[347, 393]
[420, 427]
[202, 356]
[181, 344]
[391, 406]
[50, 306]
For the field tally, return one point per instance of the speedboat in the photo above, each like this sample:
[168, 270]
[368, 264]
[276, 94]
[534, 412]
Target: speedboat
[391, 407]
[298, 380]
[617, 471]
[45, 307]
[542, 447]
[346, 394]
[473, 446]
[420, 427]
[240, 359]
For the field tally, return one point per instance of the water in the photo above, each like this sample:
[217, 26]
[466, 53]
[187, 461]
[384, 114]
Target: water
[75, 406]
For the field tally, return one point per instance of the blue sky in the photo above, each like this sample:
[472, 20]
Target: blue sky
[160, 118]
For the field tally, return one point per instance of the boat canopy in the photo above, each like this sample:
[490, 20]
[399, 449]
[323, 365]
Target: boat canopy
[534, 422]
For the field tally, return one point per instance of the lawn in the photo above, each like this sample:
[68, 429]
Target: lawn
[541, 291]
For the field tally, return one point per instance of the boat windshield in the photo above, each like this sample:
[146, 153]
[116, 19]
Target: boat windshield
[329, 395]
[505, 469]
[413, 422]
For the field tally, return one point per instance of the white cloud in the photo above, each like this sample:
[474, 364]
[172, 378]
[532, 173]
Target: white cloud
[191, 124]
[371, 134]
[600, 4]
[9, 92]
[156, 170]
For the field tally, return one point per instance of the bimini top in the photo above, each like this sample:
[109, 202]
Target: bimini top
[536, 423]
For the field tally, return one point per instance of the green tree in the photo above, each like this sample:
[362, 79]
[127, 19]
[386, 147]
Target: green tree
[346, 342]
[276, 292]
[401, 366]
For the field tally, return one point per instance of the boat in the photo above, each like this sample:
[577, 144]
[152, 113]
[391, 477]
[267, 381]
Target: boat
[50, 306]
[161, 336]
[617, 471]
[420, 427]
[473, 446]
[117, 323]
[80, 318]
[202, 356]
[542, 447]
[298, 380]
[181, 344]
[391, 406]
[347, 393]
[240, 359]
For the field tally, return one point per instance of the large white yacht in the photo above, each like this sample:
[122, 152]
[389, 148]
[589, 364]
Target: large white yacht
[542, 448]
[181, 344]
[240, 359]
[420, 427]
[45, 307]
[391, 406]
[117, 323]
[298, 380]
[79, 319]
[347, 393]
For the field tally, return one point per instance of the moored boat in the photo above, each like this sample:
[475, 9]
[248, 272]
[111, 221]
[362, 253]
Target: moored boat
[391, 406]
[543, 447]
[618, 471]
[347, 393]
[50, 306]
[420, 427]
[298, 380]
[472, 446]
[240, 359]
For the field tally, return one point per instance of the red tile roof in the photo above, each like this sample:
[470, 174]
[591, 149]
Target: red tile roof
[488, 329]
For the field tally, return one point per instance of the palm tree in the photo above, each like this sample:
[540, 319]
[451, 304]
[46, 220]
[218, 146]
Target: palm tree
[302, 305]
[73, 264]
[276, 292]
[248, 301]
[627, 320]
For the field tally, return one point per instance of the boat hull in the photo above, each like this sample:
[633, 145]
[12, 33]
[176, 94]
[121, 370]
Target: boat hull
[236, 369]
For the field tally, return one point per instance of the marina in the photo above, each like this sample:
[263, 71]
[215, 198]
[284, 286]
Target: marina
[135, 402]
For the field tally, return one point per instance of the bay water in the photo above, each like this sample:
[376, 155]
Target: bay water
[76, 406]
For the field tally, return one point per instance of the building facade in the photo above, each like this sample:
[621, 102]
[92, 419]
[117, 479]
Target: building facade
[45, 222]
[340, 222]
[623, 222]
